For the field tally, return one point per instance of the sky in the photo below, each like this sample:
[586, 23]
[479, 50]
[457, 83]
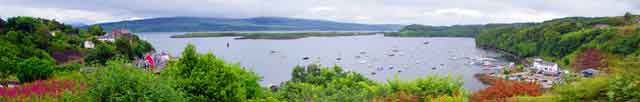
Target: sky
[427, 12]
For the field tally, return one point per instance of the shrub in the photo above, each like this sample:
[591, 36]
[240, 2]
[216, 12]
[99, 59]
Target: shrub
[41, 89]
[590, 58]
[624, 88]
[123, 82]
[502, 90]
[431, 86]
[331, 84]
[207, 78]
[101, 54]
[35, 69]
[586, 89]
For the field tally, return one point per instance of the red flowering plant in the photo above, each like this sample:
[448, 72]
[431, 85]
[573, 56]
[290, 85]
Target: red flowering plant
[40, 89]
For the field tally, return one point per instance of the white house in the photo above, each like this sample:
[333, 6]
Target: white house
[544, 66]
[54, 33]
[89, 44]
[107, 38]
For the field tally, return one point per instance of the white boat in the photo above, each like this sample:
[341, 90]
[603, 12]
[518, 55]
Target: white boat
[363, 61]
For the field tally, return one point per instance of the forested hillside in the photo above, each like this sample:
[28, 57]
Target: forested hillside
[559, 38]
[608, 44]
[36, 49]
[416, 30]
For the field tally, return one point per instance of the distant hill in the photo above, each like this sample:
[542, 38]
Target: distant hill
[417, 30]
[201, 24]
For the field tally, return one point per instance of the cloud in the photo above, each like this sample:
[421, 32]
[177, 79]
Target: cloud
[456, 12]
[431, 12]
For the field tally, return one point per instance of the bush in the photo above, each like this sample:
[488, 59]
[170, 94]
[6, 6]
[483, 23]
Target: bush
[9, 58]
[431, 86]
[207, 78]
[331, 84]
[586, 89]
[35, 69]
[502, 90]
[101, 54]
[624, 88]
[68, 68]
[123, 82]
[41, 89]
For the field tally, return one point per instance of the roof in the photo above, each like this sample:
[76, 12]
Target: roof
[545, 63]
[589, 70]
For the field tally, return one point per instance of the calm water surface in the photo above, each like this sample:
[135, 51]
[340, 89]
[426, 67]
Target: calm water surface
[411, 58]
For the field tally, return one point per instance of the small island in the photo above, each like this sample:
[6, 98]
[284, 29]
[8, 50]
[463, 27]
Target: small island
[271, 35]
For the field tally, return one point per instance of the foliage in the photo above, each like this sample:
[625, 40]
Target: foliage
[101, 53]
[203, 77]
[124, 82]
[8, 58]
[132, 47]
[624, 88]
[40, 89]
[95, 30]
[586, 89]
[35, 69]
[2, 26]
[564, 39]
[316, 83]
[543, 98]
[431, 86]
[502, 90]
[625, 85]
[589, 58]
[416, 30]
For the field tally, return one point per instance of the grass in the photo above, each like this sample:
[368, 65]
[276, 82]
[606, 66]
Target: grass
[269, 35]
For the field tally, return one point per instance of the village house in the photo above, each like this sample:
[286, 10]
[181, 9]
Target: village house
[545, 67]
[107, 38]
[115, 33]
[601, 26]
[54, 33]
[89, 44]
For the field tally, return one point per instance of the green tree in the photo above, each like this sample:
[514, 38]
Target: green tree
[132, 46]
[207, 78]
[629, 18]
[9, 59]
[121, 82]
[26, 24]
[96, 30]
[2, 26]
[35, 69]
[101, 54]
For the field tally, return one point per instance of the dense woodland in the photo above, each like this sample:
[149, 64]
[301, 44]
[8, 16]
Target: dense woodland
[48, 59]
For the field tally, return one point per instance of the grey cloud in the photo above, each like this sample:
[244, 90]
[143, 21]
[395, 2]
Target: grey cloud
[432, 12]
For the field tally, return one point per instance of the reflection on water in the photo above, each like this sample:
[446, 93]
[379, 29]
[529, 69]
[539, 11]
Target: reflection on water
[385, 56]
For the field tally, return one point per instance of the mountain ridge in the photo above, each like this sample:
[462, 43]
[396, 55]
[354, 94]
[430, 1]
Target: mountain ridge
[204, 24]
